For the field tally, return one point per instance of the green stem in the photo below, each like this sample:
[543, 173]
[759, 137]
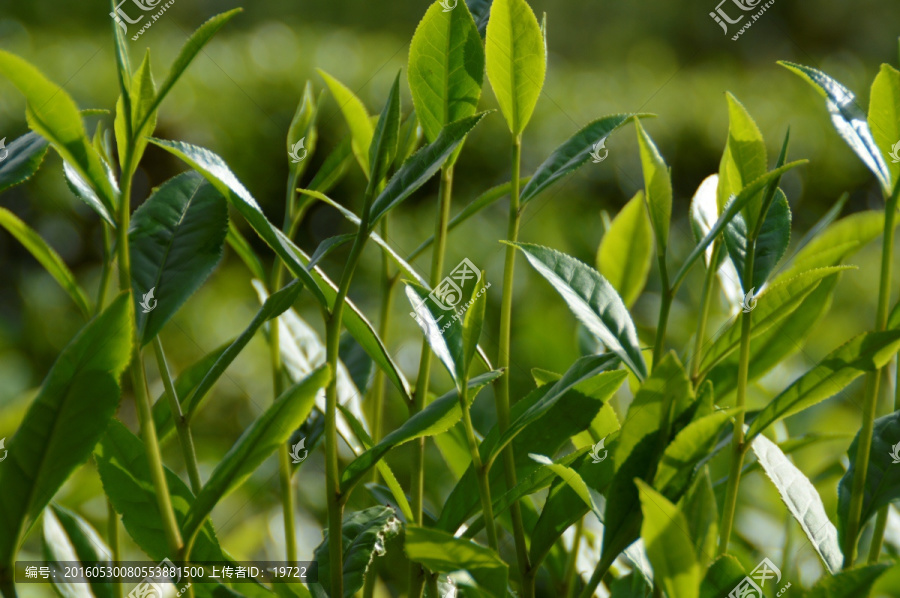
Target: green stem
[332, 466]
[371, 580]
[864, 444]
[431, 580]
[501, 386]
[389, 283]
[181, 425]
[571, 570]
[600, 571]
[106, 272]
[112, 537]
[138, 379]
[417, 483]
[705, 302]
[665, 305]
[738, 449]
[484, 484]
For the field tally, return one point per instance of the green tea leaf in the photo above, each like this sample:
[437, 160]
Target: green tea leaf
[725, 572]
[416, 171]
[125, 473]
[668, 544]
[269, 433]
[438, 417]
[848, 119]
[77, 400]
[23, 158]
[867, 352]
[191, 48]
[699, 507]
[52, 113]
[441, 552]
[47, 257]
[586, 370]
[69, 538]
[383, 147]
[772, 243]
[689, 447]
[446, 68]
[731, 209]
[801, 499]
[573, 153]
[658, 186]
[357, 117]
[473, 323]
[882, 478]
[176, 240]
[86, 193]
[593, 301]
[142, 94]
[516, 62]
[668, 385]
[324, 290]
[626, 250]
[848, 584]
[364, 535]
[744, 159]
[302, 132]
[773, 305]
[884, 117]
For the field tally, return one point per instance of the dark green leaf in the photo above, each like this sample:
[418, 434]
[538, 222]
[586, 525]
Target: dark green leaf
[77, 400]
[269, 433]
[569, 156]
[882, 478]
[416, 171]
[441, 552]
[323, 289]
[849, 584]
[848, 119]
[23, 158]
[86, 193]
[699, 507]
[176, 240]
[773, 240]
[383, 147]
[327, 246]
[122, 463]
[438, 417]
[867, 352]
[593, 301]
[364, 535]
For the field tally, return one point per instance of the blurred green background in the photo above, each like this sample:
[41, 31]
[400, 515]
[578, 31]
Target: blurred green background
[237, 99]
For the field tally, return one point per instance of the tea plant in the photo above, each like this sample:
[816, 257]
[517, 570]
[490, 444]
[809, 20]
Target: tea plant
[652, 505]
